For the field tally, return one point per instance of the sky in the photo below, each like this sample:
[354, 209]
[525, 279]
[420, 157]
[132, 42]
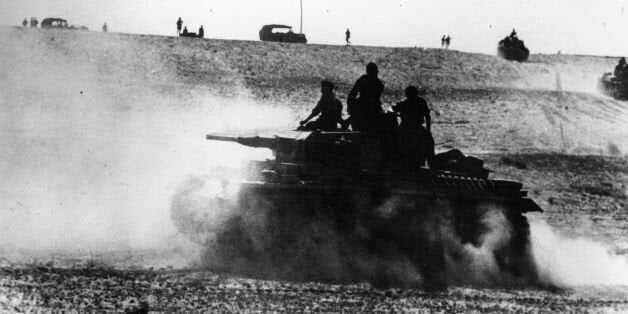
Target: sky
[596, 27]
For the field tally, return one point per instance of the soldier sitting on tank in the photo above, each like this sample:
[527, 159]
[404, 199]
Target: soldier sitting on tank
[363, 104]
[621, 70]
[416, 140]
[328, 107]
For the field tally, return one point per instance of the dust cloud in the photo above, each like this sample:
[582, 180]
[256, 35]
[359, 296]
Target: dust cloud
[93, 151]
[570, 262]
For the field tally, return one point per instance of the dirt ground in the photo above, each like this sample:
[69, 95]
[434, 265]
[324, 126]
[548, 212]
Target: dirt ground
[98, 128]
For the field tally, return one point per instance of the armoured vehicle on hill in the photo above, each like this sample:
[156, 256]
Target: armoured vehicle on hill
[613, 86]
[331, 206]
[53, 22]
[267, 34]
[513, 48]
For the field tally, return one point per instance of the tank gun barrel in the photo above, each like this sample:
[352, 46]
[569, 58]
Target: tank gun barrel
[251, 141]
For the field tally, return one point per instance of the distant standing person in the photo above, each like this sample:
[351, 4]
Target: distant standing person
[442, 42]
[179, 25]
[447, 42]
[185, 30]
[104, 28]
[348, 36]
[24, 23]
[35, 22]
[201, 32]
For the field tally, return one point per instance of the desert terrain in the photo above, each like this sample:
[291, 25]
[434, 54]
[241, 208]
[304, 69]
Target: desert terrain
[98, 130]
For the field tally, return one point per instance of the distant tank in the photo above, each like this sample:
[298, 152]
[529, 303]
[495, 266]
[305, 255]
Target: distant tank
[340, 192]
[513, 48]
[611, 85]
[266, 34]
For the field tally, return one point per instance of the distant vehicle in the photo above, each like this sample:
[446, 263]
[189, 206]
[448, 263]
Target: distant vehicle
[54, 22]
[266, 34]
[613, 86]
[79, 27]
[189, 34]
[513, 48]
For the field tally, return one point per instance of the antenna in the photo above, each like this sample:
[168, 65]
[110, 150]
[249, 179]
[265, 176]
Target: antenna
[301, 22]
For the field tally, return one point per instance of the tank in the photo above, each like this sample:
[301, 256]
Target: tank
[331, 207]
[513, 48]
[613, 86]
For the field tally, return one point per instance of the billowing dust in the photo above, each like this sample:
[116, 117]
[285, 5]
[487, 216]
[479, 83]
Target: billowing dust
[97, 159]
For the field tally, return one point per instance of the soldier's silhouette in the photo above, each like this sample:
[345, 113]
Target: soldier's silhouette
[201, 32]
[416, 140]
[447, 42]
[185, 30]
[104, 28]
[621, 70]
[24, 23]
[363, 102]
[328, 109]
[348, 36]
[442, 42]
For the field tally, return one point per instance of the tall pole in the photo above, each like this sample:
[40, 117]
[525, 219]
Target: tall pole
[301, 26]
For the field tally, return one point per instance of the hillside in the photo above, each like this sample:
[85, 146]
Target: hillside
[480, 102]
[99, 130]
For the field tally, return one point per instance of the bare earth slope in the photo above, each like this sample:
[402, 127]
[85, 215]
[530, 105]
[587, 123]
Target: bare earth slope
[95, 126]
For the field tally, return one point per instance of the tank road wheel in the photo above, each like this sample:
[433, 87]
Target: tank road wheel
[515, 257]
[433, 269]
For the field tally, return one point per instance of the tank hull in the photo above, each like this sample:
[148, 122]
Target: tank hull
[513, 53]
[611, 86]
[355, 232]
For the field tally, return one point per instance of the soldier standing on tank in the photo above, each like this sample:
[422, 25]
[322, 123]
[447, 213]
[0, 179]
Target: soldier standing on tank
[179, 25]
[621, 70]
[348, 36]
[328, 107]
[416, 140]
[201, 32]
[363, 104]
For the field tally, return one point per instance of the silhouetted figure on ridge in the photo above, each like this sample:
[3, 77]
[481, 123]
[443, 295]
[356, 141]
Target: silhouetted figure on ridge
[447, 42]
[104, 28]
[348, 36]
[513, 34]
[442, 42]
[328, 108]
[416, 140]
[179, 25]
[201, 32]
[363, 102]
[185, 30]
[24, 23]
